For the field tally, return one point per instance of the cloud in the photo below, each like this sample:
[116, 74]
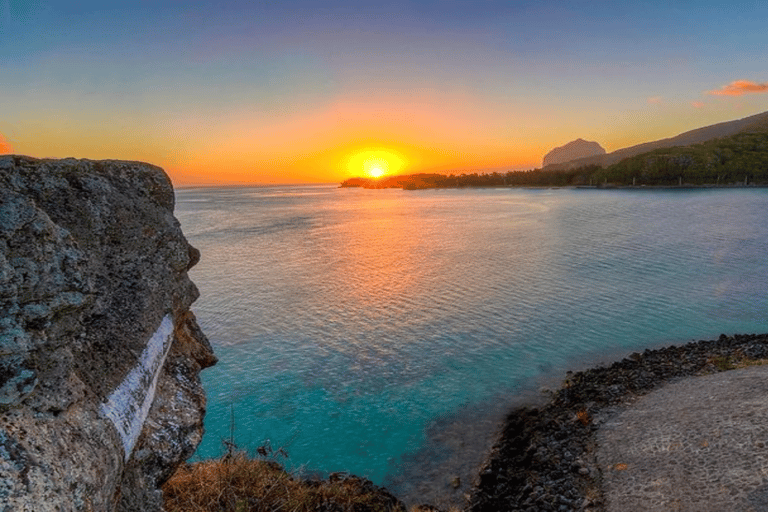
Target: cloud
[739, 87]
[5, 147]
[655, 100]
[697, 104]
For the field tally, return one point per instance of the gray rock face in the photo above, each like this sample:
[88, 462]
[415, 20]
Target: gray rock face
[100, 398]
[578, 148]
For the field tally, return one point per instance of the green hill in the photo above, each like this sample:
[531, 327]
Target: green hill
[736, 159]
[697, 136]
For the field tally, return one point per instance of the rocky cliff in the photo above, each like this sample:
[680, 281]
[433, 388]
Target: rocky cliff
[578, 148]
[100, 398]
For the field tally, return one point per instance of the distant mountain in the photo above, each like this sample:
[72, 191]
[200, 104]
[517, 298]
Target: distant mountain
[696, 136]
[578, 148]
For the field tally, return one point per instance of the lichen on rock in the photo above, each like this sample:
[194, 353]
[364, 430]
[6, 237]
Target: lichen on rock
[92, 261]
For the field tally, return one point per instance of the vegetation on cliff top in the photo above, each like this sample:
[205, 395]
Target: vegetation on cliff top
[740, 159]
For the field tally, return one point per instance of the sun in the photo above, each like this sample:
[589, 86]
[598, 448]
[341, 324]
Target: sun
[375, 167]
[375, 163]
[376, 172]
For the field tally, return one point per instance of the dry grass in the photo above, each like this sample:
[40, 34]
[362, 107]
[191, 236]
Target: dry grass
[733, 362]
[722, 363]
[236, 483]
[745, 362]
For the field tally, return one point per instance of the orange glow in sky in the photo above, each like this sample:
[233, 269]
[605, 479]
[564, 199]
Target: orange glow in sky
[5, 147]
[375, 163]
[286, 92]
[355, 137]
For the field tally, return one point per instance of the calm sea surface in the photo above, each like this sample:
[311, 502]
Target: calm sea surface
[372, 331]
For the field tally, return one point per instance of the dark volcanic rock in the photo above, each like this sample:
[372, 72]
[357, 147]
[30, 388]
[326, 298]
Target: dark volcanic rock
[578, 148]
[100, 398]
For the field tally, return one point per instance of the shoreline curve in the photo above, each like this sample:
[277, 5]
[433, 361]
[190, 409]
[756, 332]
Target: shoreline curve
[546, 458]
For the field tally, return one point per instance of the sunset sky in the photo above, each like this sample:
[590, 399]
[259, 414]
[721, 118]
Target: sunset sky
[319, 91]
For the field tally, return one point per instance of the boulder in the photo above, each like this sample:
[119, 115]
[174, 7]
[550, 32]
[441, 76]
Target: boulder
[578, 148]
[100, 397]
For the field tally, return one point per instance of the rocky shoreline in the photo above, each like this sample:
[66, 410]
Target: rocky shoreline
[545, 458]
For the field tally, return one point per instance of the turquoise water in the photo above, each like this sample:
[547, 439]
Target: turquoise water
[349, 323]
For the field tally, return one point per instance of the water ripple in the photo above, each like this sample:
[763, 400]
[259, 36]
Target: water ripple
[348, 322]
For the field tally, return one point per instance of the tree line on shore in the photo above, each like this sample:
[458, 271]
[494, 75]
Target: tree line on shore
[740, 159]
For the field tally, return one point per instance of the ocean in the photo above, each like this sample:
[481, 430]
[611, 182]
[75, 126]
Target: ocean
[386, 332]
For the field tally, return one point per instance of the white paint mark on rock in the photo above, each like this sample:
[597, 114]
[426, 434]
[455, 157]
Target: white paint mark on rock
[128, 405]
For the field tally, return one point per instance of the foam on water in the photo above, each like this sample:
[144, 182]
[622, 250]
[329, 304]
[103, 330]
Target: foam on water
[353, 325]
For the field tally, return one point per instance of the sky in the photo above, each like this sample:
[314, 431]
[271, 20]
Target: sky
[268, 92]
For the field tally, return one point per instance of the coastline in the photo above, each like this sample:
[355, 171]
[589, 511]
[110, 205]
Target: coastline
[614, 187]
[604, 186]
[545, 458]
